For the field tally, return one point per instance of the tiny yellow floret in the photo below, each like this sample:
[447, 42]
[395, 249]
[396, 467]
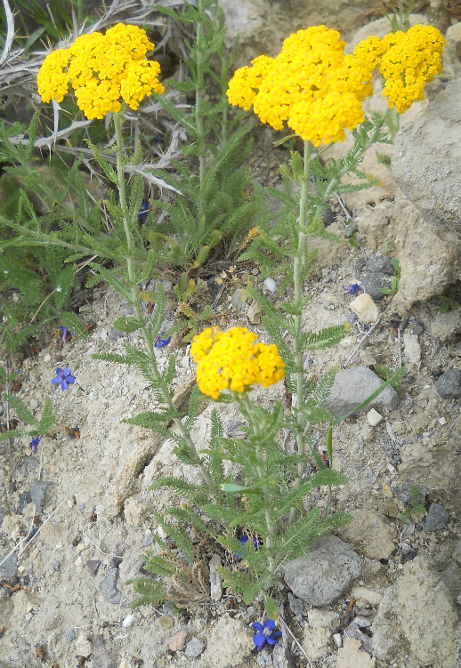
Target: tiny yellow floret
[233, 360]
[104, 71]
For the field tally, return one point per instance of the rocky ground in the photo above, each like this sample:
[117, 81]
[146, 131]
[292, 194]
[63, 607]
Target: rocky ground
[382, 592]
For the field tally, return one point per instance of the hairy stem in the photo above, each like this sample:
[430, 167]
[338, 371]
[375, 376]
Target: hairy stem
[121, 186]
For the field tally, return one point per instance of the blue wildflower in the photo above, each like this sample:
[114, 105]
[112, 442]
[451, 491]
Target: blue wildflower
[243, 540]
[63, 377]
[34, 443]
[265, 634]
[352, 289]
[162, 342]
[143, 212]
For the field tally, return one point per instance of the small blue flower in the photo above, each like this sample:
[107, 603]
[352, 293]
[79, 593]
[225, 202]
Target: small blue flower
[352, 289]
[265, 634]
[162, 342]
[243, 540]
[143, 212]
[63, 377]
[34, 442]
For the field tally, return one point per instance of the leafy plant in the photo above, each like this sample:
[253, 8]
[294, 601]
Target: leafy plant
[395, 280]
[39, 427]
[448, 303]
[413, 508]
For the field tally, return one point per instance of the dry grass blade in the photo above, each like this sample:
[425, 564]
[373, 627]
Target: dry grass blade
[10, 31]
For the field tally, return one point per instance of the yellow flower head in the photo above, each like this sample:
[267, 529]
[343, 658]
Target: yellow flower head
[103, 70]
[232, 360]
[311, 85]
[407, 61]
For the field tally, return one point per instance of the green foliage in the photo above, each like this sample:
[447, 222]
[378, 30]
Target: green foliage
[395, 280]
[39, 427]
[448, 303]
[414, 509]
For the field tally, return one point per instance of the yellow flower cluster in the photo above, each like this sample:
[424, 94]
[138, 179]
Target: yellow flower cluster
[102, 69]
[407, 61]
[233, 360]
[311, 85]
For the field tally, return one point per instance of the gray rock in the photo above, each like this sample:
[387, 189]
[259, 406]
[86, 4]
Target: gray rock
[328, 570]
[403, 492]
[353, 631]
[381, 264]
[446, 325]
[352, 317]
[37, 493]
[352, 386]
[147, 540]
[108, 587]
[360, 265]
[24, 500]
[237, 302]
[93, 566]
[372, 283]
[9, 568]
[280, 657]
[194, 648]
[350, 229]
[408, 553]
[70, 635]
[296, 606]
[449, 384]
[426, 164]
[437, 518]
[115, 335]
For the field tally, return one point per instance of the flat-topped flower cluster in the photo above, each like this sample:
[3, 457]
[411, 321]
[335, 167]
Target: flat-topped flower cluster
[103, 70]
[232, 360]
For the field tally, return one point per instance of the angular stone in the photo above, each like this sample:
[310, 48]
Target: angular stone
[108, 587]
[437, 518]
[374, 418]
[177, 641]
[37, 493]
[351, 656]
[215, 580]
[372, 283]
[381, 264]
[449, 384]
[323, 576]
[352, 386]
[353, 631]
[365, 308]
[194, 648]
[9, 568]
[446, 325]
[93, 566]
[412, 348]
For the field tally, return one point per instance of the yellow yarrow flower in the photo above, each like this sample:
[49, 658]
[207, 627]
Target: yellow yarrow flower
[232, 360]
[104, 71]
[407, 61]
[311, 85]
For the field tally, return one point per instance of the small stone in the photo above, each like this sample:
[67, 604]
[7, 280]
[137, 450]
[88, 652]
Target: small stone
[352, 317]
[83, 645]
[254, 313]
[449, 384]
[352, 386]
[380, 264]
[412, 348]
[372, 283]
[147, 540]
[70, 635]
[47, 358]
[446, 325]
[362, 623]
[108, 587]
[237, 301]
[296, 606]
[270, 284]
[407, 552]
[176, 643]
[128, 621]
[215, 580]
[353, 631]
[350, 229]
[437, 518]
[351, 656]
[371, 535]
[365, 308]
[194, 648]
[37, 493]
[165, 622]
[93, 566]
[323, 576]
[9, 567]
[374, 418]
[337, 639]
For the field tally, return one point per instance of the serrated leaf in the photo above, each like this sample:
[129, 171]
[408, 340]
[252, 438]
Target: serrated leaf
[127, 324]
[21, 410]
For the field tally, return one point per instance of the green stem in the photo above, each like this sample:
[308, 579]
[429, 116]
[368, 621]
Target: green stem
[268, 501]
[198, 92]
[121, 186]
[298, 271]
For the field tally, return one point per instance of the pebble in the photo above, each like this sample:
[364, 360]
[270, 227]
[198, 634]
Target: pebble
[47, 358]
[412, 348]
[352, 386]
[350, 229]
[437, 518]
[70, 635]
[93, 566]
[323, 576]
[147, 540]
[337, 639]
[108, 587]
[380, 264]
[37, 493]
[353, 631]
[165, 622]
[270, 284]
[9, 567]
[194, 648]
[176, 643]
[374, 418]
[215, 580]
[372, 283]
[128, 621]
[365, 308]
[449, 384]
[296, 606]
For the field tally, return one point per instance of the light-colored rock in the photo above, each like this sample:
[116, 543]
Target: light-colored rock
[374, 418]
[352, 386]
[254, 313]
[137, 511]
[365, 308]
[177, 641]
[228, 644]
[351, 656]
[215, 580]
[370, 596]
[446, 325]
[317, 633]
[412, 348]
[328, 570]
[370, 535]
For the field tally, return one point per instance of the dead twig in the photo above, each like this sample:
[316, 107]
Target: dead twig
[362, 341]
